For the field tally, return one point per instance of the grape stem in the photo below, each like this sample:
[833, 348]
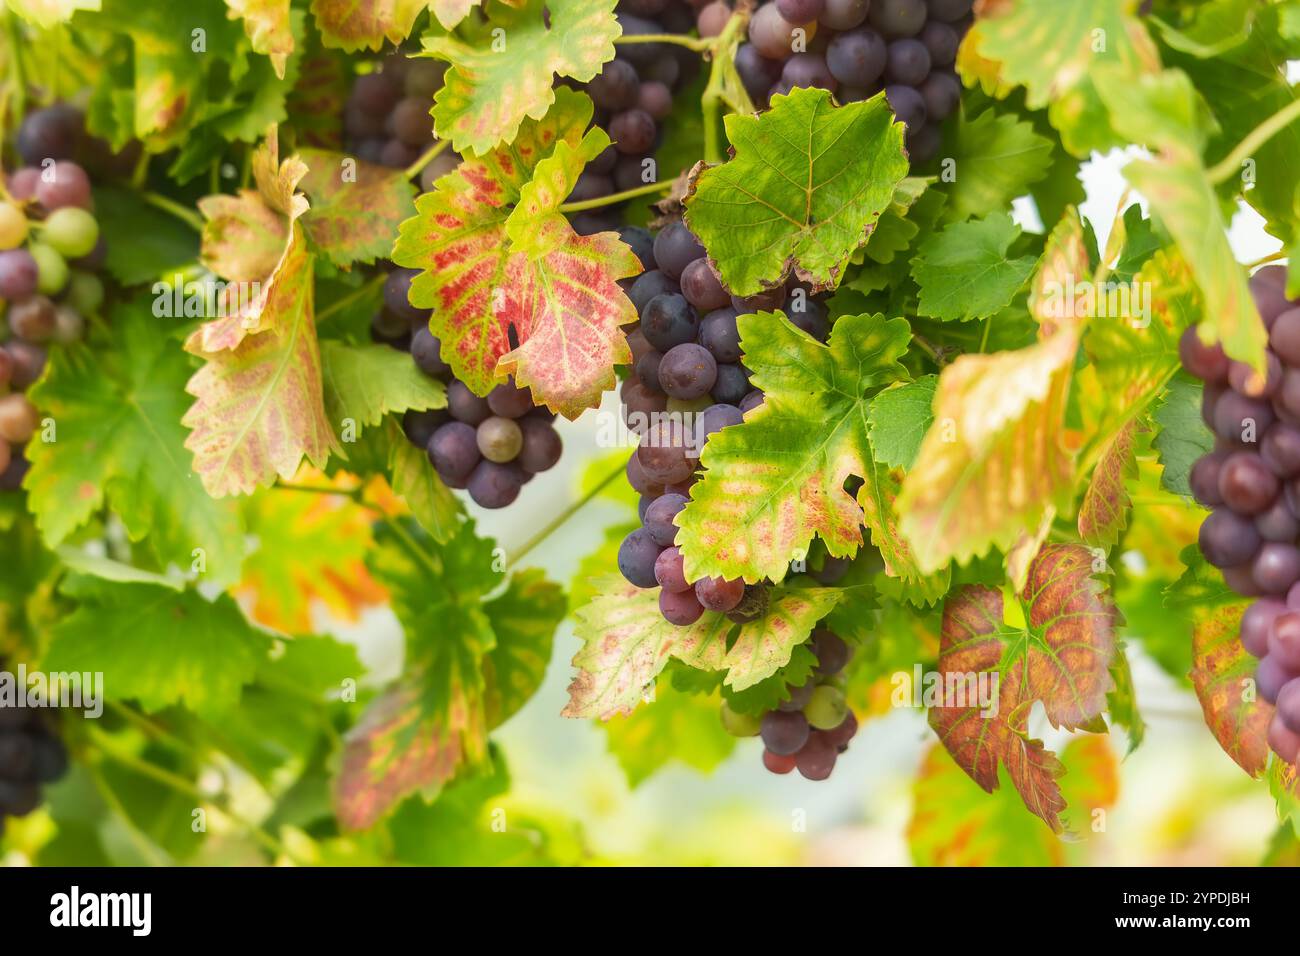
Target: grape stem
[647, 190]
[1265, 260]
[359, 293]
[711, 100]
[699, 45]
[550, 527]
[187, 216]
[426, 158]
[1230, 165]
[353, 493]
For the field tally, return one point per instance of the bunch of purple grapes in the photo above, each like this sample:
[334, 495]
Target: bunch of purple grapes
[50, 247]
[687, 383]
[31, 755]
[855, 49]
[1251, 481]
[813, 727]
[387, 119]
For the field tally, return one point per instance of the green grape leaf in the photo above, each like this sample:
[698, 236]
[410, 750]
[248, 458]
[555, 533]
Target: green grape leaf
[1184, 436]
[1059, 657]
[896, 228]
[114, 423]
[997, 157]
[627, 643]
[677, 726]
[356, 207]
[1223, 674]
[878, 498]
[1121, 703]
[774, 481]
[351, 26]
[158, 646]
[144, 243]
[803, 190]
[46, 13]
[1103, 514]
[366, 382]
[524, 618]
[1052, 49]
[494, 253]
[413, 480]
[507, 76]
[267, 24]
[899, 418]
[964, 272]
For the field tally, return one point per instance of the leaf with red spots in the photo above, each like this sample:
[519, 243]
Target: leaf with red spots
[627, 642]
[495, 254]
[1104, 511]
[506, 75]
[1060, 656]
[466, 662]
[356, 207]
[357, 24]
[776, 480]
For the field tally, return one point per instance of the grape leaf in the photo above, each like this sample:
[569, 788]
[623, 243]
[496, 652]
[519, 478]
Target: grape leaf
[144, 243]
[1052, 48]
[524, 618]
[1184, 436]
[115, 417]
[1103, 513]
[777, 207]
[46, 13]
[627, 643]
[878, 497]
[310, 548]
[367, 382]
[356, 207]
[413, 480]
[351, 26]
[495, 253]
[899, 418]
[778, 479]
[267, 24]
[156, 645]
[897, 226]
[1222, 673]
[1060, 656]
[507, 77]
[678, 726]
[964, 272]
[997, 157]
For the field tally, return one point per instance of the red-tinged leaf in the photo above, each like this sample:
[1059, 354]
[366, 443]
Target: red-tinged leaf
[1223, 674]
[356, 207]
[258, 407]
[1061, 658]
[316, 102]
[356, 24]
[243, 238]
[267, 24]
[451, 12]
[1104, 511]
[1065, 266]
[494, 253]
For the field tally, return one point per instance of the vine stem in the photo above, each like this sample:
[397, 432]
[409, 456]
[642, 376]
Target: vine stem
[711, 100]
[647, 190]
[142, 843]
[700, 45]
[1265, 260]
[353, 493]
[185, 215]
[1230, 165]
[550, 527]
[929, 349]
[428, 156]
[357, 294]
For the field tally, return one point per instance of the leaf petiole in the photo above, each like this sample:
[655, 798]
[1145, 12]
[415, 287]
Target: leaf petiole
[549, 528]
[647, 190]
[187, 216]
[1230, 165]
[699, 45]
[426, 158]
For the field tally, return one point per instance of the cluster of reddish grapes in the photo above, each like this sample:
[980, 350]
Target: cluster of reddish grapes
[855, 49]
[687, 383]
[813, 727]
[387, 120]
[49, 248]
[1251, 481]
[31, 755]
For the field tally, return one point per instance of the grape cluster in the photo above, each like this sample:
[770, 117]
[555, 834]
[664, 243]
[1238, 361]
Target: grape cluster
[855, 49]
[387, 120]
[1251, 483]
[810, 729]
[687, 382]
[31, 754]
[49, 248]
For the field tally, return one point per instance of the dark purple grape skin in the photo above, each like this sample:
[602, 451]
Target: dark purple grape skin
[907, 104]
[656, 99]
[768, 300]
[701, 287]
[465, 406]
[717, 417]
[949, 11]
[508, 401]
[1280, 449]
[1237, 417]
[1204, 478]
[1284, 337]
[1245, 380]
[897, 18]
[668, 320]
[1247, 485]
[1256, 622]
[941, 42]
[941, 93]
[908, 62]
[719, 334]
[419, 426]
[670, 571]
[1276, 567]
[68, 186]
[857, 58]
[924, 144]
[453, 449]
[542, 445]
[590, 186]
[1228, 540]
[633, 131]
[397, 288]
[783, 732]
[809, 315]
[647, 370]
[1270, 678]
[54, 132]
[1206, 362]
[662, 454]
[808, 70]
[687, 371]
[642, 245]
[719, 594]
[751, 401]
[493, 485]
[1268, 288]
[18, 274]
[832, 652]
[615, 87]
[659, 518]
[799, 697]
[816, 759]
[681, 608]
[676, 248]
[757, 72]
[648, 285]
[1277, 522]
[426, 351]
[800, 11]
[1288, 707]
[731, 385]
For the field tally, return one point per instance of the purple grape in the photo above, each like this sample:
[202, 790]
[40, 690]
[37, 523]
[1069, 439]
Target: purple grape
[831, 651]
[50, 133]
[701, 287]
[397, 287]
[659, 518]
[1257, 621]
[648, 285]
[1237, 417]
[633, 131]
[675, 248]
[1284, 337]
[1206, 362]
[1204, 478]
[908, 62]
[669, 570]
[680, 607]
[18, 274]
[494, 485]
[844, 14]
[1284, 641]
[1246, 484]
[801, 11]
[907, 104]
[1228, 540]
[615, 86]
[647, 370]
[784, 732]
[656, 99]
[668, 321]
[1270, 678]
[542, 446]
[688, 371]
[816, 759]
[1288, 706]
[1247, 381]
[411, 123]
[757, 72]
[509, 401]
[717, 417]
[67, 186]
[1276, 567]
[941, 93]
[719, 334]
[1278, 523]
[719, 594]
[426, 351]
[949, 10]
[419, 426]
[897, 18]
[751, 401]
[641, 243]
[465, 406]
[453, 449]
[662, 454]
[809, 70]
[941, 42]
[1280, 449]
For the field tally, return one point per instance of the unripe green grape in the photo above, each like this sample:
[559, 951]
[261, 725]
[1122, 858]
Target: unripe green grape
[683, 405]
[499, 439]
[738, 724]
[827, 707]
[13, 226]
[72, 231]
[51, 268]
[85, 292]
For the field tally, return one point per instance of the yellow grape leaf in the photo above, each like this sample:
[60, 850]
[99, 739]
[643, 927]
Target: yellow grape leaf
[267, 24]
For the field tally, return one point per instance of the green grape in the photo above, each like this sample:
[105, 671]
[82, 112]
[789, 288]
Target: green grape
[737, 724]
[13, 226]
[52, 268]
[826, 708]
[499, 439]
[85, 292]
[72, 231]
[689, 404]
